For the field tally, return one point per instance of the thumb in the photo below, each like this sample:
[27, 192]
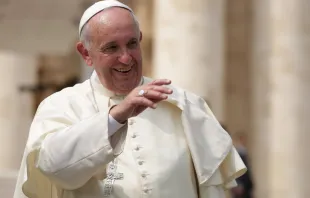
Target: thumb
[139, 110]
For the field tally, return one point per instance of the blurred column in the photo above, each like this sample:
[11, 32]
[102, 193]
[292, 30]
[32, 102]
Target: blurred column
[16, 112]
[237, 67]
[144, 12]
[281, 96]
[189, 47]
[260, 140]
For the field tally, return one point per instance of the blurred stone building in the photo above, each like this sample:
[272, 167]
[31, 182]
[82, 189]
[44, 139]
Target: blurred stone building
[248, 58]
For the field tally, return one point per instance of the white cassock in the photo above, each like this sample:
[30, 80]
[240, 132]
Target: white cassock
[178, 150]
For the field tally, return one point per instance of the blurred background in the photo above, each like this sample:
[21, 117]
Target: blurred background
[249, 59]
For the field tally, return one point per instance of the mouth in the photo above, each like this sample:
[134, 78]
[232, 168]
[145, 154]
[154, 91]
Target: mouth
[123, 70]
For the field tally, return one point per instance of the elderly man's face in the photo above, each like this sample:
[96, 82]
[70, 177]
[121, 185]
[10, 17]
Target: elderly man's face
[115, 50]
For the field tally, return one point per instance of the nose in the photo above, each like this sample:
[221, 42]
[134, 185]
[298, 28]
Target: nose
[125, 58]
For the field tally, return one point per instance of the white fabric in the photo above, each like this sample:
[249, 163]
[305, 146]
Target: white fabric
[113, 125]
[96, 8]
[69, 152]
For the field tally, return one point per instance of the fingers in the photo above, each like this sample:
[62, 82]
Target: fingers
[139, 110]
[161, 89]
[143, 101]
[147, 96]
[161, 82]
[155, 95]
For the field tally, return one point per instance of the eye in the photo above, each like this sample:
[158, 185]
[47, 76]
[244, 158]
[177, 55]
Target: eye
[110, 49]
[132, 44]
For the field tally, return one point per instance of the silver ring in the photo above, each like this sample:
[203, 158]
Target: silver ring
[141, 92]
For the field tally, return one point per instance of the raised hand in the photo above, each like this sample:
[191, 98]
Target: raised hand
[141, 98]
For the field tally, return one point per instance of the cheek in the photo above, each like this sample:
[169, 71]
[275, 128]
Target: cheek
[105, 62]
[103, 66]
[137, 56]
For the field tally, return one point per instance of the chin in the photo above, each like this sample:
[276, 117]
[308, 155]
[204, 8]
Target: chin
[125, 87]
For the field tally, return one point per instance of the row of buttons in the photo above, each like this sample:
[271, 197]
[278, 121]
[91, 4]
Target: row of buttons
[140, 162]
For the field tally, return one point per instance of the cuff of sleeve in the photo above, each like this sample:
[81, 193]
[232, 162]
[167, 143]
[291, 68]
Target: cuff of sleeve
[113, 125]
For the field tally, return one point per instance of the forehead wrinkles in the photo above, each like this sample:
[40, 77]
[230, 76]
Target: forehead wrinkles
[103, 21]
[110, 21]
[98, 23]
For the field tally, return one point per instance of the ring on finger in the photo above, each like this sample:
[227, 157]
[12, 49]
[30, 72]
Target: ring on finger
[142, 92]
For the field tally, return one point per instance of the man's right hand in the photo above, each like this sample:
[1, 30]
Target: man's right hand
[134, 104]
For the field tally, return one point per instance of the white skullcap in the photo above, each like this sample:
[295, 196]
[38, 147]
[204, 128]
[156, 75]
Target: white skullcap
[97, 7]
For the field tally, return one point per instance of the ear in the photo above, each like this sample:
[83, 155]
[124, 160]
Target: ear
[140, 39]
[84, 53]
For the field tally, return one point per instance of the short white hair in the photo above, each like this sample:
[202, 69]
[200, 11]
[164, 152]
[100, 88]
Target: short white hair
[85, 37]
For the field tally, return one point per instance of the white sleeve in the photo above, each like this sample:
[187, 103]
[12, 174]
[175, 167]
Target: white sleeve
[70, 151]
[70, 156]
[113, 125]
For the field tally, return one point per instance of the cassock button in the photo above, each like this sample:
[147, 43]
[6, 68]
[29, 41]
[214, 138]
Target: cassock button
[131, 122]
[134, 136]
[137, 148]
[140, 162]
[143, 175]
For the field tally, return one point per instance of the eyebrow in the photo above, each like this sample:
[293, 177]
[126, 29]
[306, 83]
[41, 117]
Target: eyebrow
[115, 43]
[133, 39]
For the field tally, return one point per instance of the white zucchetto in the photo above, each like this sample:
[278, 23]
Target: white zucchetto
[97, 7]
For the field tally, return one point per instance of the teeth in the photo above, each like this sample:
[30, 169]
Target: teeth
[123, 69]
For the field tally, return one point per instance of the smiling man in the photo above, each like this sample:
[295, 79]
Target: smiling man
[110, 42]
[120, 134]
